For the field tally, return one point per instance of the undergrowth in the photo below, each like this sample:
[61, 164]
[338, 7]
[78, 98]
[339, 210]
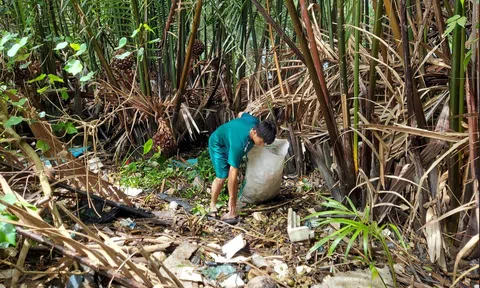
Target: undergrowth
[150, 173]
[357, 229]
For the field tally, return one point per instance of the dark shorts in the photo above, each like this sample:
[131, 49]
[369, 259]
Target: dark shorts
[218, 156]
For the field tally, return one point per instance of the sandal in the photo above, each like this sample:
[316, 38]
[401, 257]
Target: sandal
[212, 214]
[232, 221]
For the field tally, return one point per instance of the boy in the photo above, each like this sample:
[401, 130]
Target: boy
[227, 146]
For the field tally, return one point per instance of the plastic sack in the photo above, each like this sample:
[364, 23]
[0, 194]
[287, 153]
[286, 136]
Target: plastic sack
[263, 177]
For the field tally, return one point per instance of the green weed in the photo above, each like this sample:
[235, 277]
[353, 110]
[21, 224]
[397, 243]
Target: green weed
[355, 225]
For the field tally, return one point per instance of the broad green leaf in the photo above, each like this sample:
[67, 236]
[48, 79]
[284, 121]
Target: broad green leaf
[122, 42]
[7, 36]
[14, 50]
[41, 90]
[12, 121]
[75, 46]
[452, 19]
[65, 95]
[147, 146]
[25, 65]
[22, 57]
[87, 77]
[8, 234]
[82, 49]
[140, 53]
[123, 55]
[70, 128]
[54, 78]
[39, 78]
[74, 66]
[59, 126]
[9, 198]
[61, 45]
[20, 102]
[462, 21]
[43, 146]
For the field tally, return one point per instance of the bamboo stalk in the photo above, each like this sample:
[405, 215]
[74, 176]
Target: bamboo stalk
[279, 30]
[368, 103]
[397, 35]
[455, 74]
[347, 177]
[186, 63]
[341, 46]
[356, 84]
[414, 105]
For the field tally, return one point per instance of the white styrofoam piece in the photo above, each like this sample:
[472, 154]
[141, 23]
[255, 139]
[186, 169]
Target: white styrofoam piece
[296, 232]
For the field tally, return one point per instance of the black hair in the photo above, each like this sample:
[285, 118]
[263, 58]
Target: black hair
[266, 130]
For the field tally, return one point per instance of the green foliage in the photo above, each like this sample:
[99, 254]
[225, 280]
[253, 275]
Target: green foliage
[8, 233]
[152, 172]
[74, 66]
[147, 146]
[123, 55]
[87, 77]
[452, 22]
[7, 230]
[122, 42]
[38, 78]
[42, 145]
[61, 45]
[67, 127]
[12, 121]
[16, 47]
[354, 225]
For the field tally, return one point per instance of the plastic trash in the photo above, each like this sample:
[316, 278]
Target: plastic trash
[213, 272]
[127, 223]
[263, 177]
[75, 281]
[233, 246]
[130, 191]
[173, 205]
[233, 281]
[77, 151]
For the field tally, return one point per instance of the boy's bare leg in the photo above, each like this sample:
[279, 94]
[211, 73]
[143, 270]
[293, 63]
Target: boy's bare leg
[216, 189]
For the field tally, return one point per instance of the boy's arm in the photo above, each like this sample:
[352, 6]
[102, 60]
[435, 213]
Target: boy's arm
[232, 190]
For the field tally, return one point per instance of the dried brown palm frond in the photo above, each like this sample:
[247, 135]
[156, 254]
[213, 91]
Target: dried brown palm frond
[93, 249]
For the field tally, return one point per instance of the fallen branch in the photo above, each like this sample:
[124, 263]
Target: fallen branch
[132, 211]
[83, 260]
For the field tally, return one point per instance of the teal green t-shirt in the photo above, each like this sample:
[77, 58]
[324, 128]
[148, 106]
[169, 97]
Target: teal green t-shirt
[233, 139]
